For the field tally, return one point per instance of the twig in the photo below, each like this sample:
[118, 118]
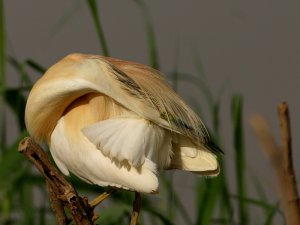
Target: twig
[64, 191]
[281, 161]
[136, 209]
[291, 193]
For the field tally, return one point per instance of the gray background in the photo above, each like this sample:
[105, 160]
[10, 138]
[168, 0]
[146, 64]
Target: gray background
[249, 47]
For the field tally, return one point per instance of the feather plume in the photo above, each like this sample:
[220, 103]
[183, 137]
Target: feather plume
[149, 84]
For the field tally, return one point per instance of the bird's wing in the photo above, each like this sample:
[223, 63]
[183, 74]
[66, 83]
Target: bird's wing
[126, 139]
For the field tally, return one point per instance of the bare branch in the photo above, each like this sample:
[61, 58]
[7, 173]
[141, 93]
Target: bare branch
[291, 193]
[61, 188]
[57, 206]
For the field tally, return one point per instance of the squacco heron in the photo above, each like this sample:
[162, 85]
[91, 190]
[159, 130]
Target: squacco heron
[116, 123]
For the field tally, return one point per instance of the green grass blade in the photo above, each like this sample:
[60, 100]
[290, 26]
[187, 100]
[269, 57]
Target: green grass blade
[207, 194]
[2, 48]
[226, 205]
[15, 99]
[175, 82]
[259, 203]
[210, 192]
[153, 53]
[11, 171]
[124, 204]
[12, 161]
[20, 68]
[113, 214]
[261, 194]
[272, 213]
[36, 66]
[152, 46]
[172, 193]
[237, 123]
[201, 76]
[155, 213]
[27, 204]
[196, 107]
[92, 4]
[174, 75]
[175, 201]
[5, 207]
[200, 84]
[66, 17]
[216, 122]
[42, 215]
[270, 208]
[217, 188]
[2, 78]
[198, 63]
[226, 208]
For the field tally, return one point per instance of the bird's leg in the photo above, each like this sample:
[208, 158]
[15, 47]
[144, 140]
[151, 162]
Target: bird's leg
[102, 197]
[136, 209]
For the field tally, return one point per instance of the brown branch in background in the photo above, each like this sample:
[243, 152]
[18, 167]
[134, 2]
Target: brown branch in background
[291, 193]
[281, 160]
[59, 187]
[285, 131]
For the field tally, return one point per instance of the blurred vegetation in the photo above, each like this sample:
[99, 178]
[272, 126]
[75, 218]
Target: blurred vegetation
[23, 196]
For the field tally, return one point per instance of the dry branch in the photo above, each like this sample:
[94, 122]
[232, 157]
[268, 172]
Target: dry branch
[281, 160]
[62, 194]
[57, 206]
[291, 193]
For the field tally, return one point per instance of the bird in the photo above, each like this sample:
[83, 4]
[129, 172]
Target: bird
[116, 123]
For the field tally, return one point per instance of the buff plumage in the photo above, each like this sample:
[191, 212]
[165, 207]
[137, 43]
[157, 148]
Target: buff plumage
[116, 123]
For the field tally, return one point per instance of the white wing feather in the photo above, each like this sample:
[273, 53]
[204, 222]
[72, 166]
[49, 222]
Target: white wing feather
[81, 158]
[128, 139]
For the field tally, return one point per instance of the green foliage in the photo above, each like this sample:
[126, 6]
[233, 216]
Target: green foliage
[214, 200]
[2, 76]
[152, 46]
[237, 124]
[95, 14]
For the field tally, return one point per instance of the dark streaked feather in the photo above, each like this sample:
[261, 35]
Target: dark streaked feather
[212, 146]
[147, 84]
[127, 83]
